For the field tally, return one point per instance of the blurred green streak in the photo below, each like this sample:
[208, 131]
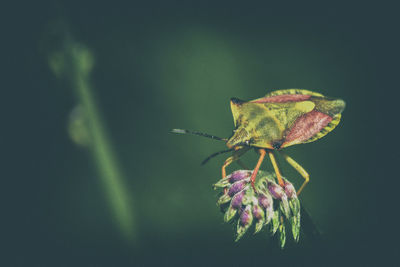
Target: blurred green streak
[75, 62]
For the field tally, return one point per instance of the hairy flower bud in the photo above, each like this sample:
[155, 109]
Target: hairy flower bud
[258, 212]
[237, 199]
[238, 175]
[289, 190]
[276, 190]
[266, 202]
[246, 217]
[236, 187]
[245, 221]
[259, 215]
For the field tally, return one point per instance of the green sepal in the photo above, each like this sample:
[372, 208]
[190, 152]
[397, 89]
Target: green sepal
[229, 214]
[242, 229]
[284, 207]
[221, 183]
[248, 197]
[295, 221]
[269, 215]
[282, 235]
[259, 225]
[294, 204]
[223, 199]
[275, 222]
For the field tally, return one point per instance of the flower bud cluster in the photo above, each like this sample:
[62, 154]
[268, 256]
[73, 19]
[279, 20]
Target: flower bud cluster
[270, 205]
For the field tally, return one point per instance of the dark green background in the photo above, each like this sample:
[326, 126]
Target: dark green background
[176, 65]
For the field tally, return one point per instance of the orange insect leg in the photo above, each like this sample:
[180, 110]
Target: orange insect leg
[255, 171]
[236, 155]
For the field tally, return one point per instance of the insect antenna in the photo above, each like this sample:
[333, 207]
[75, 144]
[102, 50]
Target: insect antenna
[216, 154]
[182, 131]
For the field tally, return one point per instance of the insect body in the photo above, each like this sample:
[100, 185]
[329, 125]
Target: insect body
[280, 119]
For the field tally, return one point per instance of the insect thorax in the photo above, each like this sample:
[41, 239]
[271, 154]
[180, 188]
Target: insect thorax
[257, 126]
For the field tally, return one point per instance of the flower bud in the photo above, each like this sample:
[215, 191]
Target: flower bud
[276, 190]
[229, 214]
[245, 221]
[236, 187]
[236, 201]
[259, 215]
[289, 190]
[258, 212]
[266, 202]
[239, 175]
[246, 218]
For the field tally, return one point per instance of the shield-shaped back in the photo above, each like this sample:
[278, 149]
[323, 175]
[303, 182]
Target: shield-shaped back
[283, 118]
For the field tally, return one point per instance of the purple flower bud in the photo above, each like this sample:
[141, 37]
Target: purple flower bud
[236, 187]
[236, 202]
[289, 190]
[239, 175]
[265, 200]
[258, 212]
[246, 217]
[276, 190]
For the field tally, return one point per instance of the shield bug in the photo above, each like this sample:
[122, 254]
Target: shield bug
[280, 119]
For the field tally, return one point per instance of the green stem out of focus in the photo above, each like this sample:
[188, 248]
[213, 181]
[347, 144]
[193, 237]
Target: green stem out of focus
[75, 63]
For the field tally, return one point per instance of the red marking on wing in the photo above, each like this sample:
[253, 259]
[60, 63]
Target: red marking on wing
[281, 98]
[307, 126]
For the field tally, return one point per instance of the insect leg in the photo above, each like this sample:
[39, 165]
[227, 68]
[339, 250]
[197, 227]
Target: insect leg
[236, 155]
[227, 162]
[299, 169]
[255, 171]
[275, 165]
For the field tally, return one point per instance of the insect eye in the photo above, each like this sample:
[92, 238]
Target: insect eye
[249, 142]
